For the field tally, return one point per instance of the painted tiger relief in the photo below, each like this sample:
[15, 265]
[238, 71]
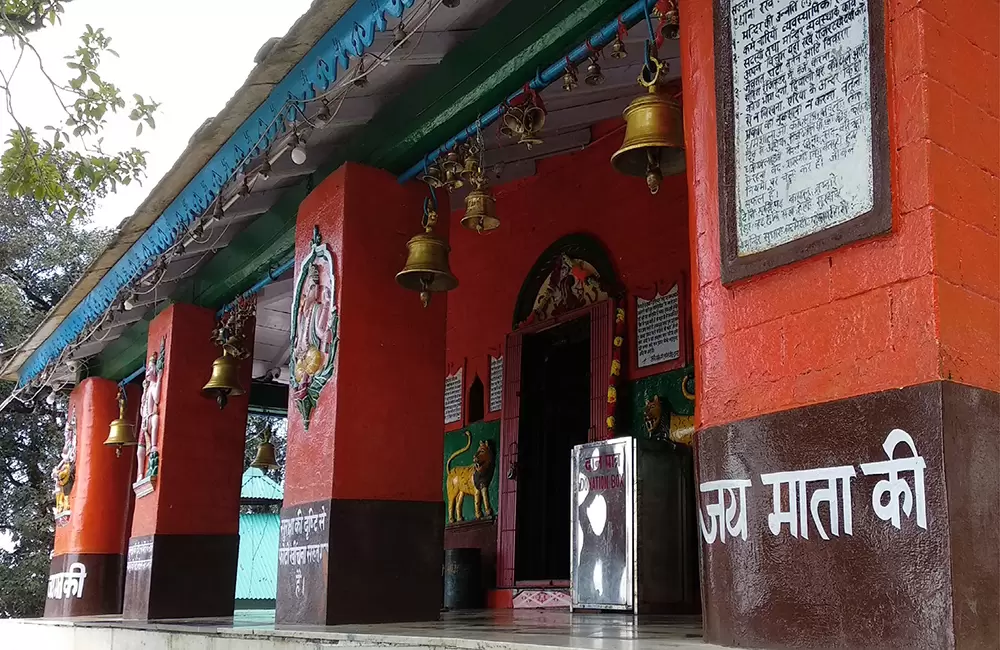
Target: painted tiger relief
[473, 480]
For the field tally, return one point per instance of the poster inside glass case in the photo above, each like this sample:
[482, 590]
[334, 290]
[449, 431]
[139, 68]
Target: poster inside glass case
[602, 507]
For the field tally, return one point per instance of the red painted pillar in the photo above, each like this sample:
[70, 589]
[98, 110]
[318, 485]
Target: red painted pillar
[185, 529]
[93, 494]
[872, 368]
[362, 523]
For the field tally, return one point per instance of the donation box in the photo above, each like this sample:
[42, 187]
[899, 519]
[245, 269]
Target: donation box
[634, 545]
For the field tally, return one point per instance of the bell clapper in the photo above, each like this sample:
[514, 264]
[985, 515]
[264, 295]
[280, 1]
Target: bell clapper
[653, 174]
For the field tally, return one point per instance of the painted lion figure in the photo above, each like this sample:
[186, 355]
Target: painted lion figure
[473, 480]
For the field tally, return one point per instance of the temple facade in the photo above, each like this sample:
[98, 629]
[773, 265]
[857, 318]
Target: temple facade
[731, 355]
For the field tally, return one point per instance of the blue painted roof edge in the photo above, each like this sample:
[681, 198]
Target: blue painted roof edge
[349, 37]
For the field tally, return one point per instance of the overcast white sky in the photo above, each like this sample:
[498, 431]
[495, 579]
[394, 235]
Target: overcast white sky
[190, 55]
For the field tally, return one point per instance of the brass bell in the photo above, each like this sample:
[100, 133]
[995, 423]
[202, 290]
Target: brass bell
[654, 136]
[569, 78]
[618, 50]
[594, 75]
[122, 433]
[480, 211]
[426, 269]
[265, 459]
[531, 123]
[224, 381]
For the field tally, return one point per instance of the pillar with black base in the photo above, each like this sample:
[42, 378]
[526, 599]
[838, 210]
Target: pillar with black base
[182, 555]
[362, 524]
[92, 490]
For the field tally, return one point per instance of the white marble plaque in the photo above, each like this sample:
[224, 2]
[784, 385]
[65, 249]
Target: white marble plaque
[802, 106]
[657, 329]
[453, 397]
[496, 383]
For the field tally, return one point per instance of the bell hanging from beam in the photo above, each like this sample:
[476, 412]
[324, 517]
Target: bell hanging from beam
[265, 458]
[122, 433]
[224, 381]
[480, 210]
[654, 132]
[426, 269]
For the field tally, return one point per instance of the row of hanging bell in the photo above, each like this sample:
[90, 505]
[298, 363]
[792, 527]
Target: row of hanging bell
[654, 131]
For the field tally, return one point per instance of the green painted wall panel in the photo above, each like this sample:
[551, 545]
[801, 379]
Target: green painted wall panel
[456, 440]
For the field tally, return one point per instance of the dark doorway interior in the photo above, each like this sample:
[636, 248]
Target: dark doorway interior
[555, 416]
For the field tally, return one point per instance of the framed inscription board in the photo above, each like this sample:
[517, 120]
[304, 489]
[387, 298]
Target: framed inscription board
[657, 338]
[803, 136]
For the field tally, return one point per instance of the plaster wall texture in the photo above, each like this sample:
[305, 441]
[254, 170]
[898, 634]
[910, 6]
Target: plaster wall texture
[919, 304]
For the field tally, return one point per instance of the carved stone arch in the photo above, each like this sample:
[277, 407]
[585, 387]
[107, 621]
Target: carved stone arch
[547, 291]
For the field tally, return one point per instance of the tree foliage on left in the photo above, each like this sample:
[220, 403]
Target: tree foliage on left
[41, 255]
[66, 163]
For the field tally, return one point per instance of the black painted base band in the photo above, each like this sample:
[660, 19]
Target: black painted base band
[359, 561]
[924, 578]
[84, 584]
[180, 576]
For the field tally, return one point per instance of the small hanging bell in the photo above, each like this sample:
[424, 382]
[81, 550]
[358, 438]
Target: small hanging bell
[618, 50]
[426, 269]
[471, 168]
[654, 135]
[480, 211]
[265, 458]
[224, 381]
[569, 78]
[594, 75]
[532, 122]
[122, 433]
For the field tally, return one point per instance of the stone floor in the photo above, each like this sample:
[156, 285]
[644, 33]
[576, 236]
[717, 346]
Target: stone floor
[483, 630]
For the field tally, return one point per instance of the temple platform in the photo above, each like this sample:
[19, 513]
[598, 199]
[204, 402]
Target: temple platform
[255, 630]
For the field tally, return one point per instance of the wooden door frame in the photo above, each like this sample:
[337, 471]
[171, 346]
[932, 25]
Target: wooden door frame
[601, 336]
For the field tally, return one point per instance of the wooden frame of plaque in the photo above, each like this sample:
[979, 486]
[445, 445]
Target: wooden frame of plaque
[632, 323]
[877, 220]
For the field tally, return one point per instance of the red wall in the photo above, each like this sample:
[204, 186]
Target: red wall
[646, 237]
[201, 447]
[102, 490]
[916, 305]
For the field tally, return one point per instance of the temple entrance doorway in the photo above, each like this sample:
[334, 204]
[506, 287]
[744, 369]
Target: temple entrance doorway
[555, 416]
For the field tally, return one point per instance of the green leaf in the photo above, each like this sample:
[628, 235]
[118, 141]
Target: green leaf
[138, 129]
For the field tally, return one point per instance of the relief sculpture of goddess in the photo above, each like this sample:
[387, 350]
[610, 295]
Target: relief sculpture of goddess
[147, 452]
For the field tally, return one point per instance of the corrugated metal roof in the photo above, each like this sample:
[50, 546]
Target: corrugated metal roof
[257, 575]
[256, 485]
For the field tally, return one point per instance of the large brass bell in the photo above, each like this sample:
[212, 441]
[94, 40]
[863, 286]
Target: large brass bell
[480, 211]
[265, 458]
[122, 433]
[654, 135]
[224, 381]
[426, 269]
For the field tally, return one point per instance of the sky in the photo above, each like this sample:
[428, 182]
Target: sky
[189, 55]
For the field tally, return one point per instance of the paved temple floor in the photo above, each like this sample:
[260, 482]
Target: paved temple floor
[255, 630]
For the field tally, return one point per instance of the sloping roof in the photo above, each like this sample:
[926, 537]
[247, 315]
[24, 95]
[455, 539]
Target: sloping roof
[258, 487]
[257, 572]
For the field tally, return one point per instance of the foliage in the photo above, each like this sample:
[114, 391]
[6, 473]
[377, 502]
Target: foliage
[68, 164]
[41, 255]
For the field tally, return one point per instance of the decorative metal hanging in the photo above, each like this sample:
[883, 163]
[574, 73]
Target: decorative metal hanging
[569, 79]
[618, 50]
[594, 75]
[524, 118]
[229, 335]
[122, 433]
[668, 19]
[654, 131]
[480, 206]
[265, 458]
[426, 269]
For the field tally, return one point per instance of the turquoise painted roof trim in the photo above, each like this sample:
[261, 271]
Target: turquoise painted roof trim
[256, 485]
[314, 74]
[257, 566]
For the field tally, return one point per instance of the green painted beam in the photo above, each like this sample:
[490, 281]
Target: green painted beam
[475, 76]
[267, 242]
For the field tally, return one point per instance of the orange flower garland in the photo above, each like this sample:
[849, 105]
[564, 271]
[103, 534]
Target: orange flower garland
[616, 367]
